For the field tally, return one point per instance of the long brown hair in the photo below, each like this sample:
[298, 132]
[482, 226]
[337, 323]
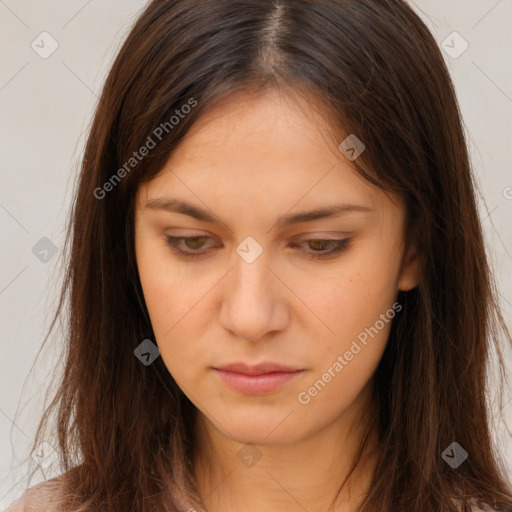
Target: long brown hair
[125, 430]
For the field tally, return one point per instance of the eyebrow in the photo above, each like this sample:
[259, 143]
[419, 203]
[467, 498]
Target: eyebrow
[179, 206]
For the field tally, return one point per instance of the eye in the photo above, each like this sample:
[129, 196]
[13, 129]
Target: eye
[192, 247]
[193, 243]
[326, 248]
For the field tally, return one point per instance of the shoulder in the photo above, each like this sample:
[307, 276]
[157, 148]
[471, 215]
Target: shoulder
[43, 497]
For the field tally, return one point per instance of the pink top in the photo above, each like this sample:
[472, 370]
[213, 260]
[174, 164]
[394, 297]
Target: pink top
[39, 498]
[43, 497]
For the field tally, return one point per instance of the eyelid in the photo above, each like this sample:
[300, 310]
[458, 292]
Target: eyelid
[303, 235]
[338, 246]
[324, 235]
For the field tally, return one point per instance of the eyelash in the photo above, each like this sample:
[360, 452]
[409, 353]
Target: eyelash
[340, 245]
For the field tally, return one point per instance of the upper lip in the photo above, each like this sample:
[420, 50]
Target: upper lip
[257, 369]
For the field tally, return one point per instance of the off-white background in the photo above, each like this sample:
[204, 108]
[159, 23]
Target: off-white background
[46, 107]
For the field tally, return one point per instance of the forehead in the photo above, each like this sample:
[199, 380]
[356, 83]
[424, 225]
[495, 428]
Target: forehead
[268, 151]
[272, 123]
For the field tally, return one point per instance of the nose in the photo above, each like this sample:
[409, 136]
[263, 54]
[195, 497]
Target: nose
[253, 304]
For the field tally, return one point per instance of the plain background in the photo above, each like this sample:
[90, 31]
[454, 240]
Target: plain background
[47, 106]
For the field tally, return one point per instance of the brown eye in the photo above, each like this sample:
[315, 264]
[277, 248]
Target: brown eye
[318, 245]
[325, 248]
[191, 248]
[195, 242]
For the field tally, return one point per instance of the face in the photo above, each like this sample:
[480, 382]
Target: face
[239, 277]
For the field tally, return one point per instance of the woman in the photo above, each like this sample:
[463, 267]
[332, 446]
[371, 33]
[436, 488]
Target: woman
[279, 293]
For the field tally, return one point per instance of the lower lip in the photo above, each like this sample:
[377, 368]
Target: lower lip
[256, 384]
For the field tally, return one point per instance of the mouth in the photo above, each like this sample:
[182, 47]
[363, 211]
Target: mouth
[258, 379]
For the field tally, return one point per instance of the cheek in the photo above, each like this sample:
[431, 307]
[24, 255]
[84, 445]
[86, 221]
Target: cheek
[357, 305]
[343, 363]
[354, 295]
[173, 318]
[169, 299]
[169, 292]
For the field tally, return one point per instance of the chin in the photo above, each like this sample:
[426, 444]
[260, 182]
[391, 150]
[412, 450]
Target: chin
[262, 429]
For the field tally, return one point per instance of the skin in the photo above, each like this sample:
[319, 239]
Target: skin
[249, 161]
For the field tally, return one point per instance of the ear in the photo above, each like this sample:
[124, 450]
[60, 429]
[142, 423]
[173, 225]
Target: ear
[411, 272]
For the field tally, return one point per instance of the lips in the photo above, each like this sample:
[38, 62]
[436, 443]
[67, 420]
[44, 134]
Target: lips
[256, 379]
[259, 369]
